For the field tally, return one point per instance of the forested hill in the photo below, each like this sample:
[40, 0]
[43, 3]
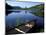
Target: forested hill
[38, 10]
[8, 7]
[37, 7]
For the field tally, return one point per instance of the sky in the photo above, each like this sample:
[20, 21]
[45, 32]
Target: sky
[23, 4]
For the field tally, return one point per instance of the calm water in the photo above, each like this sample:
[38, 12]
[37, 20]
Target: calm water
[16, 18]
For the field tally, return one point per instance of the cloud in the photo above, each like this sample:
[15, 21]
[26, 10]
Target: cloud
[23, 4]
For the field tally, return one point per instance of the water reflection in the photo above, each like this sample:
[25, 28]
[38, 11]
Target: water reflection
[14, 18]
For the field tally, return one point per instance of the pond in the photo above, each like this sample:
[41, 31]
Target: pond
[17, 18]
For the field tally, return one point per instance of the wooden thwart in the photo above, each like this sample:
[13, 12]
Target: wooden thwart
[25, 28]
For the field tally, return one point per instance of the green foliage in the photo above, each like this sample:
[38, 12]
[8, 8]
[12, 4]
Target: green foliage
[39, 14]
[39, 10]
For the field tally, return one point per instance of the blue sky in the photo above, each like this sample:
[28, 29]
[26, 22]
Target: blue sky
[23, 4]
